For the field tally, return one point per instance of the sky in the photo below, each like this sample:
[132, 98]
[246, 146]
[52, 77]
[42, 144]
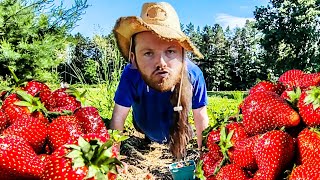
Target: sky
[101, 15]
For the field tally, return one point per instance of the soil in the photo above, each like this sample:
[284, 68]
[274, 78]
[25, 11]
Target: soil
[145, 160]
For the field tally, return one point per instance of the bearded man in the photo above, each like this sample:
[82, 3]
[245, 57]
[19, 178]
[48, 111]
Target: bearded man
[160, 83]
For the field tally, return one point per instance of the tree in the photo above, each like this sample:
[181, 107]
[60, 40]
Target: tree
[291, 34]
[33, 36]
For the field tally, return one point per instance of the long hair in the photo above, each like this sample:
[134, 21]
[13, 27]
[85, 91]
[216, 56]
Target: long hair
[181, 131]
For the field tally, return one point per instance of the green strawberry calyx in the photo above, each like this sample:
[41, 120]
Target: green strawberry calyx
[313, 97]
[96, 155]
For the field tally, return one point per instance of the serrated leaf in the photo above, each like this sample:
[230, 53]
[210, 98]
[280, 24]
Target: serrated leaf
[78, 162]
[22, 103]
[72, 146]
[92, 170]
[85, 145]
[74, 154]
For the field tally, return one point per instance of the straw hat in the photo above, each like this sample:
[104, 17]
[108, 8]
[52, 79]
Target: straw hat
[160, 18]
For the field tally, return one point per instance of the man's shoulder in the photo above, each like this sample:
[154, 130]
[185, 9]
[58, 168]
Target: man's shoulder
[193, 69]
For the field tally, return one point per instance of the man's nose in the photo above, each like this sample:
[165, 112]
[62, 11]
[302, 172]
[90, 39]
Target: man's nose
[161, 63]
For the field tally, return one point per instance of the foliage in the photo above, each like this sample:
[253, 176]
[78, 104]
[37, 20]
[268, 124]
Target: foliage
[33, 34]
[291, 34]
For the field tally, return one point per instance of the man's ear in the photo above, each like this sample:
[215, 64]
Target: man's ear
[133, 60]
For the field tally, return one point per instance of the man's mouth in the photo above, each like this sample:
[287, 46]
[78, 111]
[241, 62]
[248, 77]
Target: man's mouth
[162, 74]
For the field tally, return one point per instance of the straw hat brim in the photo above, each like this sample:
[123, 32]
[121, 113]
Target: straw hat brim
[127, 26]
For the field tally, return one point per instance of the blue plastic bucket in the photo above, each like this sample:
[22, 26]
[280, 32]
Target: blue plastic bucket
[183, 170]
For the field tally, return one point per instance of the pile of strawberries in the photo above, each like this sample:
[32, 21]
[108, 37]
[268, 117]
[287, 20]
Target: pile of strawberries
[47, 134]
[275, 135]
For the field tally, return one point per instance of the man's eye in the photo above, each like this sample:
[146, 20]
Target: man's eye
[148, 54]
[171, 51]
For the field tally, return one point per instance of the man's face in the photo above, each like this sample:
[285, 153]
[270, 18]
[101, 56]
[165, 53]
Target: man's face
[159, 61]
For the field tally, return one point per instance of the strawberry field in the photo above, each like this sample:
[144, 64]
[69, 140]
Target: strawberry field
[269, 132]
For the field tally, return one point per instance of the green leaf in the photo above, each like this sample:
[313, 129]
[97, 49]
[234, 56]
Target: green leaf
[85, 146]
[78, 162]
[23, 103]
[72, 146]
[74, 154]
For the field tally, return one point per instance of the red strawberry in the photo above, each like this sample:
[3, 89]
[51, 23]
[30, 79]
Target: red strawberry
[242, 153]
[305, 171]
[63, 129]
[212, 139]
[14, 107]
[33, 130]
[64, 101]
[3, 121]
[308, 80]
[87, 158]
[239, 132]
[273, 152]
[90, 120]
[267, 86]
[291, 77]
[35, 87]
[264, 111]
[232, 172]
[308, 143]
[211, 161]
[308, 104]
[18, 160]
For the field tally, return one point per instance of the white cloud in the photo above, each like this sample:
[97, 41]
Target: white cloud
[226, 20]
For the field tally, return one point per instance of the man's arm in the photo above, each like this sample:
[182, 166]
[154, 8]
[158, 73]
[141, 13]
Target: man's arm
[119, 116]
[201, 121]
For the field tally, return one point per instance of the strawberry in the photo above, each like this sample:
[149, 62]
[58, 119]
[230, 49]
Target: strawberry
[18, 160]
[305, 171]
[89, 157]
[308, 145]
[63, 129]
[90, 120]
[212, 139]
[35, 87]
[239, 132]
[308, 105]
[273, 152]
[33, 130]
[211, 162]
[64, 101]
[242, 153]
[267, 86]
[291, 77]
[3, 121]
[21, 104]
[264, 111]
[308, 80]
[232, 172]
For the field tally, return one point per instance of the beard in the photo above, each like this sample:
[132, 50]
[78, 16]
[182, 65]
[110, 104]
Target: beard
[162, 80]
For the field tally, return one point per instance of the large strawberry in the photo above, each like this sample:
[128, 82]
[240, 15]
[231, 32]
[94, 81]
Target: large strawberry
[21, 104]
[33, 130]
[62, 129]
[308, 143]
[232, 172]
[90, 120]
[18, 160]
[242, 153]
[3, 121]
[64, 99]
[89, 157]
[291, 77]
[305, 171]
[308, 104]
[35, 87]
[267, 86]
[307, 80]
[264, 111]
[211, 162]
[273, 152]
[213, 139]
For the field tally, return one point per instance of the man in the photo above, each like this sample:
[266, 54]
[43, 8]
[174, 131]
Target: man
[160, 83]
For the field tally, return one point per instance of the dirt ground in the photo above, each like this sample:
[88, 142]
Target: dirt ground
[149, 161]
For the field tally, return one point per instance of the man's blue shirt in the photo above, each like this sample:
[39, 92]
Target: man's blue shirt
[152, 110]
